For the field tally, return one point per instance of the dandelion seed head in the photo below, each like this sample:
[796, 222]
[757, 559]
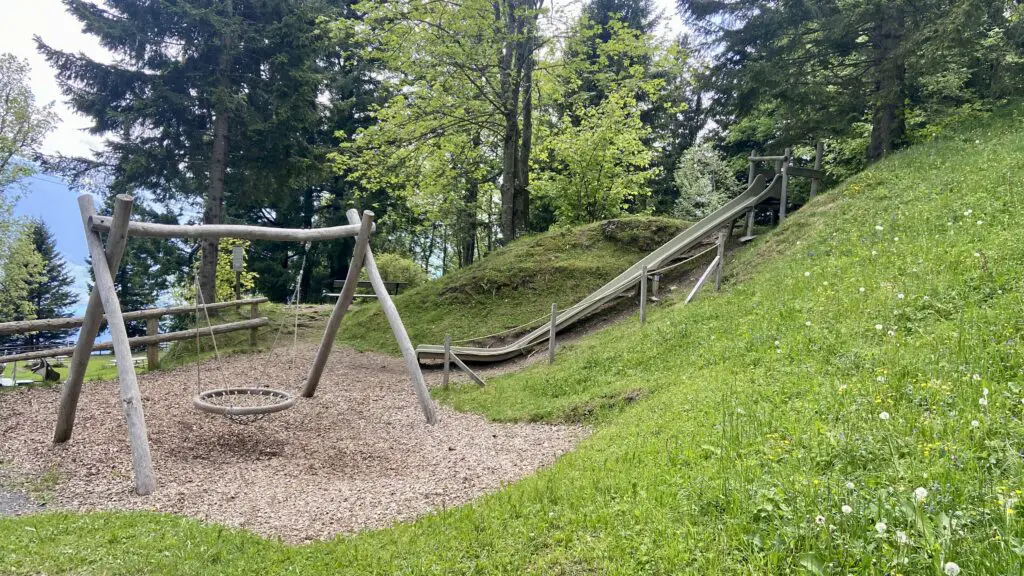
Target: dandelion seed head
[880, 527]
[846, 509]
[975, 424]
[983, 401]
[891, 333]
[951, 569]
[808, 323]
[920, 494]
[901, 537]
[849, 485]
[901, 296]
[884, 416]
[861, 289]
[820, 520]
[879, 326]
[807, 273]
[980, 222]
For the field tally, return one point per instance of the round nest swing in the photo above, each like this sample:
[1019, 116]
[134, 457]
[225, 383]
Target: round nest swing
[243, 405]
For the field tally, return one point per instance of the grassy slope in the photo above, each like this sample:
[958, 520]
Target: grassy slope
[761, 406]
[514, 285]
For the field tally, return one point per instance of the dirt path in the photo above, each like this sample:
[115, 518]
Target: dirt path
[359, 455]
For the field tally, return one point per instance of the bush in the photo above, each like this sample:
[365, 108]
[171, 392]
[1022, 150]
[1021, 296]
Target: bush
[397, 268]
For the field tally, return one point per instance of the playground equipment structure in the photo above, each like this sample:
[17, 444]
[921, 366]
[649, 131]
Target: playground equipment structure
[664, 257]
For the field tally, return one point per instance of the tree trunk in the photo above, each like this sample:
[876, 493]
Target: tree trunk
[467, 228]
[309, 249]
[213, 212]
[526, 58]
[888, 121]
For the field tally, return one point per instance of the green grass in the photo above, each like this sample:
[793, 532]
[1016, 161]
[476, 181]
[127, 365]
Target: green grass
[99, 368]
[726, 428]
[514, 285]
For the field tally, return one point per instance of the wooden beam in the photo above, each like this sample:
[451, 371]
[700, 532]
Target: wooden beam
[552, 332]
[207, 231]
[354, 267]
[722, 238]
[766, 158]
[152, 350]
[116, 240]
[447, 358]
[462, 366]
[146, 340]
[131, 399]
[387, 306]
[703, 278]
[806, 172]
[643, 294]
[22, 326]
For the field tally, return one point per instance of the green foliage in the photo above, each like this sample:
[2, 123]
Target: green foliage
[21, 268]
[705, 182]
[49, 292]
[225, 273]
[23, 123]
[397, 268]
[513, 285]
[599, 167]
[751, 425]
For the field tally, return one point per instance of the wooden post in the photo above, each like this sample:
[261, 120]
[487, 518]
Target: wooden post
[751, 168]
[116, 240]
[153, 350]
[447, 358]
[643, 294]
[722, 236]
[344, 301]
[819, 150]
[412, 363]
[785, 185]
[131, 400]
[552, 332]
[655, 281]
[254, 313]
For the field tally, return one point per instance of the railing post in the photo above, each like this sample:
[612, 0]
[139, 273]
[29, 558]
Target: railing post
[552, 332]
[785, 185]
[447, 358]
[152, 350]
[643, 294]
[722, 236]
[254, 312]
[819, 150]
[655, 281]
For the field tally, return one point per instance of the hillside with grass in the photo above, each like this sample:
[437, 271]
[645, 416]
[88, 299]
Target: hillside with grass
[514, 285]
[850, 403]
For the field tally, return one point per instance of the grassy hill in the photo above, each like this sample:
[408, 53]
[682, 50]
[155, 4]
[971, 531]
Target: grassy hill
[851, 403]
[513, 285]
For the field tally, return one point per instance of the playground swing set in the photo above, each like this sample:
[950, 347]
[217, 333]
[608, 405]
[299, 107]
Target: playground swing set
[243, 404]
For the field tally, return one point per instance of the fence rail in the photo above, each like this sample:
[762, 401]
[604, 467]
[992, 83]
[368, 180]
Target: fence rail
[152, 338]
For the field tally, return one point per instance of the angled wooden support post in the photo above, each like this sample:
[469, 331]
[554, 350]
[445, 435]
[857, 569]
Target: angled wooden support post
[462, 366]
[447, 358]
[819, 150]
[722, 237]
[643, 294]
[703, 278]
[785, 185]
[750, 223]
[751, 167]
[117, 238]
[254, 313]
[131, 400]
[341, 307]
[152, 350]
[552, 332]
[412, 364]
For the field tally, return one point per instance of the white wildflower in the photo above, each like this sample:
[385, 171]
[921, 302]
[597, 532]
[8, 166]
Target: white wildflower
[896, 239]
[880, 527]
[820, 520]
[900, 296]
[968, 212]
[984, 391]
[884, 415]
[975, 424]
[861, 289]
[880, 379]
[879, 227]
[901, 537]
[920, 494]
[879, 327]
[979, 222]
[951, 569]
[891, 333]
[846, 509]
[849, 485]
[807, 273]
[983, 401]
[808, 323]
[976, 377]
[777, 343]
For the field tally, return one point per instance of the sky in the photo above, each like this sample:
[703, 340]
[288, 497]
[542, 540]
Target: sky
[46, 197]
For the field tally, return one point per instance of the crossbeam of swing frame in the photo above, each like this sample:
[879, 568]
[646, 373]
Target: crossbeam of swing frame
[104, 302]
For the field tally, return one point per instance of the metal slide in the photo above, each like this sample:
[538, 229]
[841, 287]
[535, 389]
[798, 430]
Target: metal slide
[754, 195]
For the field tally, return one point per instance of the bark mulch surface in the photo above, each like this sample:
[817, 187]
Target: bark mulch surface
[358, 455]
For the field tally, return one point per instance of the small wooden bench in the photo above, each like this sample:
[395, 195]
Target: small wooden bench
[393, 288]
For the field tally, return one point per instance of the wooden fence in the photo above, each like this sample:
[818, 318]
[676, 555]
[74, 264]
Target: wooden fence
[151, 340]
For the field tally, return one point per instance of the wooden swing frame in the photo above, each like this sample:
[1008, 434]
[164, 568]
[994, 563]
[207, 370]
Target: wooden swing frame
[106, 260]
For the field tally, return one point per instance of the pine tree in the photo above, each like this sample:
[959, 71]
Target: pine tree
[52, 295]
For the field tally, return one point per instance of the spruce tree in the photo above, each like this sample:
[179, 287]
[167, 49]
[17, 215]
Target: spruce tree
[52, 295]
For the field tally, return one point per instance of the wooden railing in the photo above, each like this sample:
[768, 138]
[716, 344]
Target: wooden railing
[151, 340]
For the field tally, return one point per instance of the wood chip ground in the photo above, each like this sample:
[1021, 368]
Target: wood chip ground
[357, 456]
